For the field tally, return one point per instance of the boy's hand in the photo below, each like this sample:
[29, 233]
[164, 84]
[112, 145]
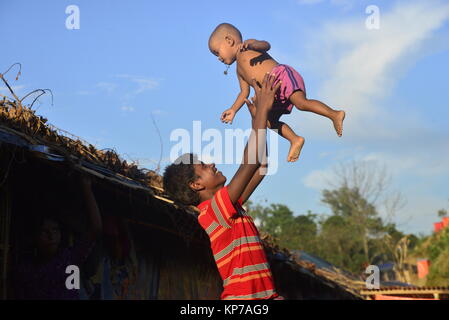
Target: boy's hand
[228, 115]
[265, 93]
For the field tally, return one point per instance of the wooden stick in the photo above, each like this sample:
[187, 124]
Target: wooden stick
[12, 92]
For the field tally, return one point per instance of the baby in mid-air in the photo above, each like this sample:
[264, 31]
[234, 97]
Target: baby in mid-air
[253, 62]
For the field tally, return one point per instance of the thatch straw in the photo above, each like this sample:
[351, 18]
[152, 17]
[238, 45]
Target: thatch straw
[36, 130]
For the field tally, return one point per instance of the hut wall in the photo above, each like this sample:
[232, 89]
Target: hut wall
[141, 254]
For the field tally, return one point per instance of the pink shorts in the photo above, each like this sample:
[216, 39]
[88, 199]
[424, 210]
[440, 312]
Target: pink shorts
[291, 82]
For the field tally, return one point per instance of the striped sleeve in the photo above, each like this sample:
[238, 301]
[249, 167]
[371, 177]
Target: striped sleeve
[222, 207]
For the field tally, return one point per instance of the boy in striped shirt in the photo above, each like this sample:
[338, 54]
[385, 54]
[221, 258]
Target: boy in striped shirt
[234, 238]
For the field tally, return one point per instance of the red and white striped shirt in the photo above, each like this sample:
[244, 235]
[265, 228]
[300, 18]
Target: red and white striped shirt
[237, 249]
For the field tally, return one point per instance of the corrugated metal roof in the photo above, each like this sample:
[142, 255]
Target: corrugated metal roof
[411, 288]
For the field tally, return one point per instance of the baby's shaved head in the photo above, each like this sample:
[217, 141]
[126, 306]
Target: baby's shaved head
[224, 29]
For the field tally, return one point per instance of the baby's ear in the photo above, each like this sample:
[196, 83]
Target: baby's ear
[230, 40]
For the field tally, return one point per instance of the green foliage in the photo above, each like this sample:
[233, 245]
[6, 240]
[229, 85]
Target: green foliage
[396, 235]
[292, 232]
[353, 236]
[338, 245]
[442, 213]
[439, 270]
[439, 245]
[436, 248]
[352, 229]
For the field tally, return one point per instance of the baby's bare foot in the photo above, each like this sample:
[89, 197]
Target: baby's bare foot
[338, 122]
[295, 149]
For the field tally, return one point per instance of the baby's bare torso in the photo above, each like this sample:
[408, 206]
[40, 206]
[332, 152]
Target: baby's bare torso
[253, 64]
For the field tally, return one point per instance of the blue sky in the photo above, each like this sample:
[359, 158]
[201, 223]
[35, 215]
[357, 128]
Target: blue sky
[133, 61]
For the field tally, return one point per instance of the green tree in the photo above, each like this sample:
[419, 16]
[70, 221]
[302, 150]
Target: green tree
[438, 253]
[307, 228]
[290, 231]
[354, 234]
[360, 217]
[356, 191]
[442, 213]
[338, 245]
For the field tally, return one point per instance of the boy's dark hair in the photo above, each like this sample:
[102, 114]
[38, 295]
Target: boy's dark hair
[178, 176]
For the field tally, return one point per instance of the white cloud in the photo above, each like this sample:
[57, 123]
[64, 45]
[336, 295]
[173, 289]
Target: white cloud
[324, 154]
[318, 179]
[127, 108]
[362, 66]
[309, 1]
[419, 164]
[421, 201]
[140, 84]
[18, 90]
[343, 3]
[157, 112]
[143, 83]
[420, 212]
[107, 86]
[407, 164]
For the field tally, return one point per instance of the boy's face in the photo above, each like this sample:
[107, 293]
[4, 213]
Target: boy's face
[224, 49]
[208, 177]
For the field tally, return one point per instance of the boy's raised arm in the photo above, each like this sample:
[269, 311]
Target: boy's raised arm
[262, 170]
[256, 179]
[254, 150]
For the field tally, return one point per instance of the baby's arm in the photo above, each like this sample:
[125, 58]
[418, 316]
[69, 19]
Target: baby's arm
[228, 115]
[243, 95]
[256, 45]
